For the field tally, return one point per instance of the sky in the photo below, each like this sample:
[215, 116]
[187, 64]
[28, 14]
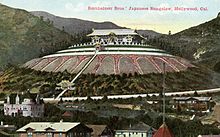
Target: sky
[160, 21]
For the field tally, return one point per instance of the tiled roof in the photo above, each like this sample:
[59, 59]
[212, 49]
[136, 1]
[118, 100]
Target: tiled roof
[101, 32]
[42, 126]
[163, 131]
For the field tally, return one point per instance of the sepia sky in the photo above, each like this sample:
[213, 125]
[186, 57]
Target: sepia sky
[160, 21]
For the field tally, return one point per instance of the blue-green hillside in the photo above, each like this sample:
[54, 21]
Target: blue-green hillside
[24, 37]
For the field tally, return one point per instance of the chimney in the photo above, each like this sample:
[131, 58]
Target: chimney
[8, 99]
[17, 100]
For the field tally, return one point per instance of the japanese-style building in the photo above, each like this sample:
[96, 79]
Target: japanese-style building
[110, 51]
[115, 36]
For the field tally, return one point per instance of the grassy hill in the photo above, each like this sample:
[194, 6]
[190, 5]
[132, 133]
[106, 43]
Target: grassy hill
[20, 80]
[24, 37]
[200, 43]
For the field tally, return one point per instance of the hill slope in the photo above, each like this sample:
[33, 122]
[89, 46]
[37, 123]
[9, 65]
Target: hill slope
[24, 36]
[200, 43]
[22, 79]
[73, 25]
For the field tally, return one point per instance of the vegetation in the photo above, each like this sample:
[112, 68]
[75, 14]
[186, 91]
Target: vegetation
[201, 41]
[17, 79]
[24, 37]
[54, 113]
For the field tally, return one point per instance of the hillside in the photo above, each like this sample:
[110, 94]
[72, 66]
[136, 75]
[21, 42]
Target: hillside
[24, 36]
[74, 26]
[200, 44]
[21, 80]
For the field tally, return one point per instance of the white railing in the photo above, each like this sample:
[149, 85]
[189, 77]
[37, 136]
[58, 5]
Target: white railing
[118, 43]
[200, 92]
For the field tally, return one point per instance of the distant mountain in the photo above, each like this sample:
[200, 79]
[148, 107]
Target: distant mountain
[200, 43]
[24, 36]
[74, 26]
[149, 33]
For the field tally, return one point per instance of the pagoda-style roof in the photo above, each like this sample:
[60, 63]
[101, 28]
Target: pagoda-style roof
[163, 131]
[105, 32]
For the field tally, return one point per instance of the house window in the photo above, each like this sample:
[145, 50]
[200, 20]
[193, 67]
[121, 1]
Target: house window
[49, 135]
[29, 134]
[60, 134]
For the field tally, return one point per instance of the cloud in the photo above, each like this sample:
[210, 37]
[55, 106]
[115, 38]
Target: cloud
[100, 4]
[217, 1]
[75, 8]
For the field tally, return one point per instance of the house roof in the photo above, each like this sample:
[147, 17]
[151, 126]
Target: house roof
[4, 134]
[163, 131]
[102, 32]
[195, 98]
[139, 127]
[67, 114]
[43, 126]
[28, 95]
[97, 129]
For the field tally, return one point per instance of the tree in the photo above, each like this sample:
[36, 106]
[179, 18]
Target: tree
[196, 94]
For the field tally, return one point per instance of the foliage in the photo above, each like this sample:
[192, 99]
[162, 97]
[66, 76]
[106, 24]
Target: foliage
[24, 37]
[201, 41]
[17, 79]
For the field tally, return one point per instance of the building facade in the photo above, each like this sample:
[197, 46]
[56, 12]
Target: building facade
[115, 36]
[192, 103]
[137, 130]
[26, 107]
[54, 129]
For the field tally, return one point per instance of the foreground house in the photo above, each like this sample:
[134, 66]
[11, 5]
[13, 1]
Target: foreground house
[54, 129]
[138, 130]
[101, 131]
[16, 105]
